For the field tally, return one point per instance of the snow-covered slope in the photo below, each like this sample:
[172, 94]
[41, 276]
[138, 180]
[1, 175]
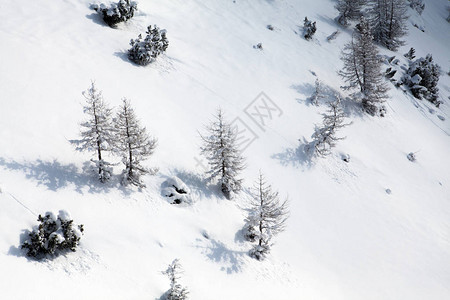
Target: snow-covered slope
[346, 237]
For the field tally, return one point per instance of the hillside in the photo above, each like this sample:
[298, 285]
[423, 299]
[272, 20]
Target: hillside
[346, 238]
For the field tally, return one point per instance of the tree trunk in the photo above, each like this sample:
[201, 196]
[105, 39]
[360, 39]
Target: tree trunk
[260, 212]
[99, 151]
[130, 154]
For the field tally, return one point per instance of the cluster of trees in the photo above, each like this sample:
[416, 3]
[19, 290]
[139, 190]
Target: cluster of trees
[122, 136]
[267, 215]
[387, 19]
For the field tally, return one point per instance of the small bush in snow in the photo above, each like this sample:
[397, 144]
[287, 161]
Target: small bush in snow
[345, 157]
[410, 54]
[309, 29]
[117, 12]
[258, 46]
[144, 51]
[176, 190]
[422, 78]
[250, 232]
[411, 156]
[176, 291]
[53, 235]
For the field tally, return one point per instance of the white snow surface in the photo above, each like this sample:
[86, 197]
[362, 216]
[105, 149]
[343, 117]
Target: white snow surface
[346, 237]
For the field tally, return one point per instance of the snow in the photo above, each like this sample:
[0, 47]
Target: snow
[64, 215]
[346, 237]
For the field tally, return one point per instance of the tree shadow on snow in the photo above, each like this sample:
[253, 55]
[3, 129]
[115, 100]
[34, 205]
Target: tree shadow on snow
[218, 252]
[296, 157]
[305, 89]
[17, 251]
[124, 56]
[55, 176]
[163, 296]
[239, 236]
[97, 19]
[328, 94]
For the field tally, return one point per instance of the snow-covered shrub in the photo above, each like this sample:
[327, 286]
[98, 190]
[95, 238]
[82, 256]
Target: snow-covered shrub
[258, 46]
[53, 235]
[422, 78]
[176, 291]
[144, 51]
[410, 54]
[250, 232]
[117, 12]
[390, 72]
[260, 252]
[309, 28]
[176, 190]
[417, 5]
[345, 157]
[411, 156]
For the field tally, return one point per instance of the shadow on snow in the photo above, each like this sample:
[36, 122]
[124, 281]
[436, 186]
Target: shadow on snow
[218, 252]
[55, 176]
